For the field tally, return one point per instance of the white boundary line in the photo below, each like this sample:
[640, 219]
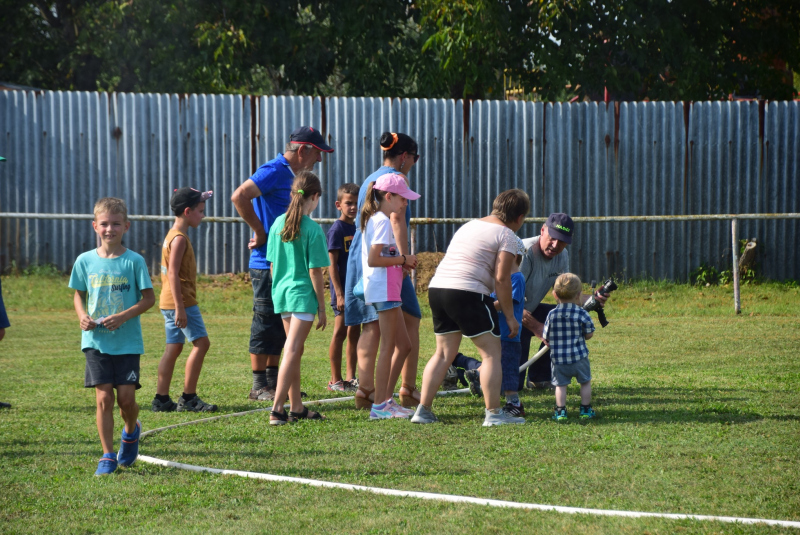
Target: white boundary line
[429, 495]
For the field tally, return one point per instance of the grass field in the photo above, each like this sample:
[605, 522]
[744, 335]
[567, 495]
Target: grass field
[699, 415]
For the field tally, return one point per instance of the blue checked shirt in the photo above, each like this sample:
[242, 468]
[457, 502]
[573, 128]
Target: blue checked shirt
[564, 329]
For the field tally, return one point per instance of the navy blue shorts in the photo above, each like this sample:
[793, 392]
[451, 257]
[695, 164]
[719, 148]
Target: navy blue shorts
[105, 369]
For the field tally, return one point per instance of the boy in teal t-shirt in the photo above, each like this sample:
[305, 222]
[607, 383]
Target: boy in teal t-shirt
[112, 288]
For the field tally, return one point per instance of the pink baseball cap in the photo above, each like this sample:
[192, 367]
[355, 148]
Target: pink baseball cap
[394, 183]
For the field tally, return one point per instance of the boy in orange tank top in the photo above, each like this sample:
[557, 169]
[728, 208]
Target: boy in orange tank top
[178, 304]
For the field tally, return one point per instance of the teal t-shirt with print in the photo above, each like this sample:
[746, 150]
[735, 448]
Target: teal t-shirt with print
[111, 285]
[292, 290]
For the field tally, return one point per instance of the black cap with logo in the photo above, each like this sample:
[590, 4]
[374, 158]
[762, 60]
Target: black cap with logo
[560, 227]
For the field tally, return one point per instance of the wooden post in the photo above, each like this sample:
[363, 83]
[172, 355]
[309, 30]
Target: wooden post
[737, 299]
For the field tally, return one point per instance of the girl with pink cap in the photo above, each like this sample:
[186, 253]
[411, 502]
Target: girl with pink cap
[382, 268]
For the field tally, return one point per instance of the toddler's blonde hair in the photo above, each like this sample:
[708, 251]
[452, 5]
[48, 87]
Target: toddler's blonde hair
[111, 205]
[567, 286]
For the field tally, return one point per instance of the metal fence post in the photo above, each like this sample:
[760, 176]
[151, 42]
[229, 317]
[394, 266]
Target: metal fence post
[737, 299]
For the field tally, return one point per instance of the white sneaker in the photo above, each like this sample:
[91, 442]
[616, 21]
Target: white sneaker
[398, 410]
[423, 416]
[501, 417]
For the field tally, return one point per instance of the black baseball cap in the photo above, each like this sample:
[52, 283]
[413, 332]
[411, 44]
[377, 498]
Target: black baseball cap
[183, 198]
[560, 227]
[305, 135]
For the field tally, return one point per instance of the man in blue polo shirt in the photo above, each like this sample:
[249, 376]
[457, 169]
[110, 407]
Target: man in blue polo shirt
[260, 200]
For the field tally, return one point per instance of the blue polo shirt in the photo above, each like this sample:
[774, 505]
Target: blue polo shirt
[274, 180]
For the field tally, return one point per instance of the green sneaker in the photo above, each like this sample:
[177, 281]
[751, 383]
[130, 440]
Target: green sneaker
[560, 414]
[587, 412]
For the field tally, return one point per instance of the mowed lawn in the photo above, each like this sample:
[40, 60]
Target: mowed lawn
[698, 415]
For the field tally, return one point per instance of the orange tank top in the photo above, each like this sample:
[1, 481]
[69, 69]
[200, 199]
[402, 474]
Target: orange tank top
[187, 273]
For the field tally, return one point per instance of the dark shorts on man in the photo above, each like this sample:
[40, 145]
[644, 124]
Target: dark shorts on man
[105, 369]
[470, 313]
[267, 336]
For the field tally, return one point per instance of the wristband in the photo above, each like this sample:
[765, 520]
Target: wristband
[404, 260]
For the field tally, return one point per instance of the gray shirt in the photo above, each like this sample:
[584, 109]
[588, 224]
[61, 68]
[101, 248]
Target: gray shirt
[540, 272]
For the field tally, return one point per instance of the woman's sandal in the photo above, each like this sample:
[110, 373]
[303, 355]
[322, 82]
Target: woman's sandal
[306, 415]
[410, 400]
[365, 402]
[280, 418]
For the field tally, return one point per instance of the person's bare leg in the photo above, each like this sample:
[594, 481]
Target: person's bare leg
[586, 393]
[368, 344]
[166, 367]
[289, 372]
[390, 322]
[561, 396]
[335, 348]
[194, 364]
[351, 352]
[446, 349]
[104, 395]
[401, 352]
[491, 371]
[128, 408]
[411, 366]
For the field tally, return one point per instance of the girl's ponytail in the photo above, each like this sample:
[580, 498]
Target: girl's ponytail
[304, 186]
[372, 204]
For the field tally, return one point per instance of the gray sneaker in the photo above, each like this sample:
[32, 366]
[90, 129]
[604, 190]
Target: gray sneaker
[423, 416]
[450, 379]
[262, 394]
[501, 418]
[195, 405]
[165, 406]
[351, 386]
[474, 380]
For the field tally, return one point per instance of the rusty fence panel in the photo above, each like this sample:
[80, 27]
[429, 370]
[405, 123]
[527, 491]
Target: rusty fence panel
[66, 149]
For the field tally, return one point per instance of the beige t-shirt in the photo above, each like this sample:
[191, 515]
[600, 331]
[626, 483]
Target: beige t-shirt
[472, 256]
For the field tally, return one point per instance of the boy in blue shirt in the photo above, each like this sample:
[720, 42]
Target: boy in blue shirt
[340, 236]
[112, 288]
[511, 347]
[566, 330]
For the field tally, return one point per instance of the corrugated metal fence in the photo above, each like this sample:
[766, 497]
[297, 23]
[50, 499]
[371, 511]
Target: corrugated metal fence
[67, 149]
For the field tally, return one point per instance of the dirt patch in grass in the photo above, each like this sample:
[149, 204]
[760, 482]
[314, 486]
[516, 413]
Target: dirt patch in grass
[426, 267]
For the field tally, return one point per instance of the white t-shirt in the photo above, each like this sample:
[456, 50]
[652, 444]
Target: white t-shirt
[380, 283]
[472, 255]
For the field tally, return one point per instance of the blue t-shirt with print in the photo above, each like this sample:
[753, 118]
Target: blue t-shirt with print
[112, 285]
[340, 238]
[518, 297]
[274, 180]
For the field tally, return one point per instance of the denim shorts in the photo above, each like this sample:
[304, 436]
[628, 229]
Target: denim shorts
[195, 328]
[356, 312]
[386, 305]
[267, 336]
[563, 373]
[105, 369]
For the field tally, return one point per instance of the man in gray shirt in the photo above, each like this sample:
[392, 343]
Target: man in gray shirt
[547, 258]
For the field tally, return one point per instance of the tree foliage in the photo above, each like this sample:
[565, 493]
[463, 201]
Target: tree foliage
[634, 49]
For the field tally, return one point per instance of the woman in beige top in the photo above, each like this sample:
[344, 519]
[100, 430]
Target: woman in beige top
[478, 262]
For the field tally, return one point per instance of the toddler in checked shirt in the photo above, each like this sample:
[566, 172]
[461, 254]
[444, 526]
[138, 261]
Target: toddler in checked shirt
[566, 330]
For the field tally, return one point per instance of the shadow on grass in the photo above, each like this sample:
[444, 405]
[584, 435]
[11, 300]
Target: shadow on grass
[663, 404]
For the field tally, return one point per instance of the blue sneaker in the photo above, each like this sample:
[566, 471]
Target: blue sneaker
[560, 414]
[587, 412]
[129, 446]
[107, 464]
